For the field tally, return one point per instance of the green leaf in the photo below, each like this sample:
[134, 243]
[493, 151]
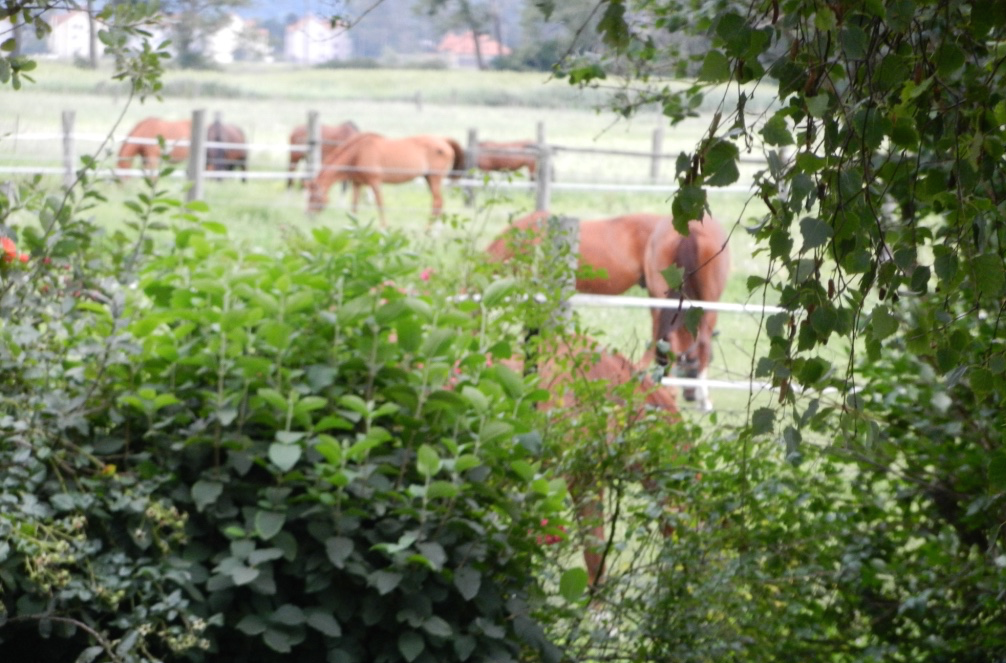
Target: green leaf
[815, 232]
[689, 204]
[384, 581]
[288, 615]
[427, 461]
[284, 456]
[438, 626]
[776, 131]
[982, 380]
[205, 493]
[338, 549]
[434, 553]
[715, 67]
[242, 575]
[989, 274]
[817, 106]
[252, 625]
[498, 291]
[410, 645]
[467, 581]
[573, 584]
[269, 523]
[762, 421]
[273, 397]
[882, 322]
[442, 490]
[997, 472]
[324, 623]
[279, 641]
[674, 275]
[720, 163]
[613, 26]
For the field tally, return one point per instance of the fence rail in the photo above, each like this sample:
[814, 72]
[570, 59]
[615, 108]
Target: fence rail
[544, 152]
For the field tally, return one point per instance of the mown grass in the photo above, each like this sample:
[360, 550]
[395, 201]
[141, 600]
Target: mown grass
[267, 102]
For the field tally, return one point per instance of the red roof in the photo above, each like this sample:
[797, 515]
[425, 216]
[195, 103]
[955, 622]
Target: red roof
[463, 44]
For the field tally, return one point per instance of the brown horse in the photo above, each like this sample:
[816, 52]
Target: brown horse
[142, 141]
[583, 358]
[332, 137]
[368, 159]
[507, 156]
[231, 152]
[704, 259]
[616, 246]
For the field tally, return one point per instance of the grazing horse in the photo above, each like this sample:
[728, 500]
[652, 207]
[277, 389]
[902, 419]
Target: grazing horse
[616, 245]
[234, 155]
[146, 134]
[507, 156]
[332, 137]
[704, 259]
[582, 358]
[368, 159]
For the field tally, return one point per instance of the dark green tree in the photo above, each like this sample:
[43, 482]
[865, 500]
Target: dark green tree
[885, 197]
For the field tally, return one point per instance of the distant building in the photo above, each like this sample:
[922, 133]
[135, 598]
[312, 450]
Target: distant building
[71, 35]
[459, 49]
[237, 39]
[313, 40]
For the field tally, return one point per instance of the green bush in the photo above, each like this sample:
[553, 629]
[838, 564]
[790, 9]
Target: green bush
[225, 454]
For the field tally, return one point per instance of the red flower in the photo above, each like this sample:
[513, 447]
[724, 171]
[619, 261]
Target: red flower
[9, 249]
[24, 257]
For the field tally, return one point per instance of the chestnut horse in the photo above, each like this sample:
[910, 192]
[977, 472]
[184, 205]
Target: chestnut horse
[507, 156]
[332, 136]
[634, 249]
[583, 358]
[368, 159]
[616, 245]
[704, 259]
[147, 132]
[233, 156]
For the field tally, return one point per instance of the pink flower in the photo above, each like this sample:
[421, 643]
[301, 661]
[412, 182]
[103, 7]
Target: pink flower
[426, 274]
[24, 257]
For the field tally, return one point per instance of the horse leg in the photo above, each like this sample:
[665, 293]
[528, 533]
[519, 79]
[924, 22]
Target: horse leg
[375, 186]
[294, 158]
[704, 350]
[590, 514]
[438, 200]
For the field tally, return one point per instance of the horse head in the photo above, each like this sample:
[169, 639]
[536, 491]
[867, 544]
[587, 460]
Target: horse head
[317, 197]
[216, 155]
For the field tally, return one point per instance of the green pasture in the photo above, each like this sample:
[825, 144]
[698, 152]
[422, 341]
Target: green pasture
[269, 101]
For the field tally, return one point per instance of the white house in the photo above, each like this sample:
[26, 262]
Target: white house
[237, 39]
[71, 35]
[313, 40]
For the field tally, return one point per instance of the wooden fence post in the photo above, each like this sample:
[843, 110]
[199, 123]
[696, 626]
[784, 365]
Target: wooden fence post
[471, 162]
[69, 153]
[564, 232]
[543, 197]
[658, 148]
[313, 158]
[197, 155]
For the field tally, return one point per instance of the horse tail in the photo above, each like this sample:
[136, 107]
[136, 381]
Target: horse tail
[459, 158]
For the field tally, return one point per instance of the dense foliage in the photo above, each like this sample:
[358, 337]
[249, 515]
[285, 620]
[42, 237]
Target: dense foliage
[221, 454]
[885, 197]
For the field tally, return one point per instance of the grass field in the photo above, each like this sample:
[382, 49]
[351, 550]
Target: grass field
[268, 102]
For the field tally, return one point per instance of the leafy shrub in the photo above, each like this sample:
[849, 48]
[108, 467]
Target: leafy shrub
[239, 456]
